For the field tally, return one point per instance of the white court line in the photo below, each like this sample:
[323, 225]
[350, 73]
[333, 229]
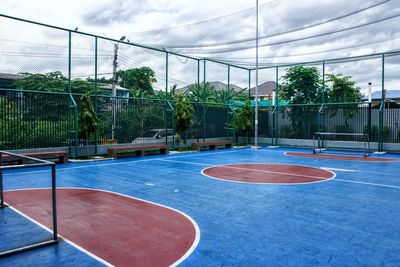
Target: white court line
[263, 171]
[337, 169]
[60, 236]
[338, 159]
[176, 263]
[336, 179]
[126, 162]
[367, 183]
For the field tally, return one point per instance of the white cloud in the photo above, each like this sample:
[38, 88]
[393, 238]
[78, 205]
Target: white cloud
[28, 45]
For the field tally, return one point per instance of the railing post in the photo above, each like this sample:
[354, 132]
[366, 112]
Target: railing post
[382, 107]
[54, 200]
[96, 137]
[204, 101]
[198, 100]
[1, 183]
[166, 99]
[276, 108]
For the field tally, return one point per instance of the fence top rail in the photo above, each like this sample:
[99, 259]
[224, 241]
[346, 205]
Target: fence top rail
[344, 134]
[40, 162]
[26, 157]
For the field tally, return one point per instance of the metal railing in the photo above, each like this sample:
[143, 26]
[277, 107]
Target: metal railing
[39, 163]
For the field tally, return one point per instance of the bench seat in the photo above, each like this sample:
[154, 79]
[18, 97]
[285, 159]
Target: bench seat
[61, 156]
[212, 145]
[118, 151]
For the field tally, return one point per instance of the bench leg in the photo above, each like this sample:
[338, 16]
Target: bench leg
[140, 153]
[213, 147]
[228, 146]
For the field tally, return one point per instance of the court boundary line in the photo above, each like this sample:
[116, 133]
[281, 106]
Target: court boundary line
[76, 246]
[335, 179]
[176, 263]
[193, 154]
[319, 179]
[363, 161]
[368, 183]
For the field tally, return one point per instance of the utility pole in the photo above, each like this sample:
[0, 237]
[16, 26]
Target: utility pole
[114, 90]
[256, 88]
[115, 65]
[114, 87]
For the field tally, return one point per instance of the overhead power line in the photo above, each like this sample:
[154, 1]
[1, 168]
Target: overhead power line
[304, 54]
[201, 45]
[199, 22]
[241, 48]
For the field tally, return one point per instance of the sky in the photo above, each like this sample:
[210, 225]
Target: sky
[290, 32]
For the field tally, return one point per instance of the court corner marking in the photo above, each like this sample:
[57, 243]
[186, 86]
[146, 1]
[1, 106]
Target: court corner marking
[176, 263]
[241, 182]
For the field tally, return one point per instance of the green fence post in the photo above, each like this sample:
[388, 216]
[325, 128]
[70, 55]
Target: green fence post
[204, 101]
[166, 99]
[382, 107]
[198, 101]
[95, 95]
[321, 109]
[275, 115]
[227, 110]
[249, 95]
[249, 84]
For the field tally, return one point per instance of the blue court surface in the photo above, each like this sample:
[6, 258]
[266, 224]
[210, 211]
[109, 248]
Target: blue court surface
[350, 219]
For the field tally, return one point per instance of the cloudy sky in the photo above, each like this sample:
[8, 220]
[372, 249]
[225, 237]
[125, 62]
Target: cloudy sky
[290, 32]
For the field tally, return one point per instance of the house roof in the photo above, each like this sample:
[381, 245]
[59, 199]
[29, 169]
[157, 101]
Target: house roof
[264, 89]
[11, 76]
[219, 86]
[389, 94]
[109, 87]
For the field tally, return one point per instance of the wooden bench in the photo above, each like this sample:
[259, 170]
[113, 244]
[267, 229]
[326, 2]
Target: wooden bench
[61, 156]
[116, 151]
[212, 145]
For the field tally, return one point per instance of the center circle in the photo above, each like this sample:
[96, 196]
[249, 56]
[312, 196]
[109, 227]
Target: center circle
[268, 173]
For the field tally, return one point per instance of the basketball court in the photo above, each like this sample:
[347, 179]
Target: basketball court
[231, 207]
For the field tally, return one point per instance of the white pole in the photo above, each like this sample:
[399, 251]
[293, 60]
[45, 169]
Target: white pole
[256, 89]
[369, 92]
[273, 98]
[114, 89]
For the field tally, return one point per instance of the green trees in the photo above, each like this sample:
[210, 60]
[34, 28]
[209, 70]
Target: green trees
[50, 82]
[342, 89]
[183, 115]
[243, 120]
[87, 119]
[301, 85]
[137, 79]
[207, 93]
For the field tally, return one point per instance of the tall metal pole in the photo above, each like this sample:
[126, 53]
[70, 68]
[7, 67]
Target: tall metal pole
[69, 91]
[249, 85]
[166, 99]
[256, 96]
[114, 89]
[198, 100]
[95, 92]
[204, 100]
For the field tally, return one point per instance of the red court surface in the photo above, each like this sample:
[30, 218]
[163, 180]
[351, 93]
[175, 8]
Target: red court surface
[268, 173]
[120, 230]
[336, 157]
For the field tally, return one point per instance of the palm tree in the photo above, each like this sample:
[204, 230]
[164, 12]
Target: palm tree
[205, 93]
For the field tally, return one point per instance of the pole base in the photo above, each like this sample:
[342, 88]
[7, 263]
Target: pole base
[255, 147]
